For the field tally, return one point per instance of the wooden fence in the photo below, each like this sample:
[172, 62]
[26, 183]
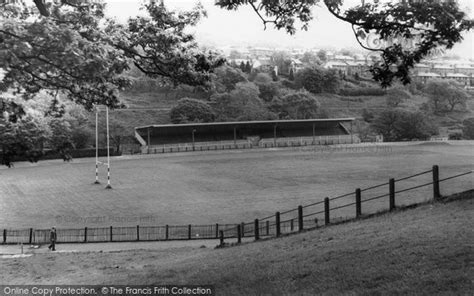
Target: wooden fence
[294, 220]
[276, 225]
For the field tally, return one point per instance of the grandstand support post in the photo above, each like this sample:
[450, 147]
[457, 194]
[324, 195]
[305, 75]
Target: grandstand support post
[85, 234]
[274, 135]
[436, 192]
[138, 233]
[314, 133]
[148, 140]
[358, 203]
[326, 211]
[221, 236]
[277, 224]
[189, 231]
[194, 146]
[300, 218]
[31, 236]
[257, 234]
[391, 185]
[235, 135]
[4, 236]
[96, 146]
[239, 233]
[352, 135]
[108, 149]
[217, 230]
[111, 234]
[268, 227]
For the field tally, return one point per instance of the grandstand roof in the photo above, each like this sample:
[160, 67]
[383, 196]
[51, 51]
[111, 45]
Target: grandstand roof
[237, 123]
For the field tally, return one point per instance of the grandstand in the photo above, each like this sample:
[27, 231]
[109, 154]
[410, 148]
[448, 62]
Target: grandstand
[245, 134]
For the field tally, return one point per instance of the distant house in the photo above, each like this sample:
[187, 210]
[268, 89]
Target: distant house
[461, 78]
[425, 76]
[338, 66]
[464, 69]
[421, 68]
[342, 58]
[443, 70]
[296, 65]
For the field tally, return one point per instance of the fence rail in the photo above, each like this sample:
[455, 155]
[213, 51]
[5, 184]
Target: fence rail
[325, 207]
[272, 225]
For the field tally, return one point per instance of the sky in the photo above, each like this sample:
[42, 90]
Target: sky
[243, 27]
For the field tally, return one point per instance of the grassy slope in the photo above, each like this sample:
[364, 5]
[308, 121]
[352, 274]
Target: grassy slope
[159, 101]
[424, 251]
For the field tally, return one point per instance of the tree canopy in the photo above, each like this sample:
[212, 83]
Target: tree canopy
[403, 32]
[70, 47]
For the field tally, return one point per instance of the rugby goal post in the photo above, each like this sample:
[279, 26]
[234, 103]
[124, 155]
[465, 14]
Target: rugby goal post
[99, 108]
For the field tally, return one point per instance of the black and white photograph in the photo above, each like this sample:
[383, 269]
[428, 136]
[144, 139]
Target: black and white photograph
[236, 147]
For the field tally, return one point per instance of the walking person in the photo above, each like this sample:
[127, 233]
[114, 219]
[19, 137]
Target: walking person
[52, 238]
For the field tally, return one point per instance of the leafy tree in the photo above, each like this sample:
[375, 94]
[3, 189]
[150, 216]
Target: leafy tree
[430, 24]
[445, 95]
[296, 105]
[61, 138]
[227, 77]
[311, 58]
[321, 54]
[468, 128]
[262, 78]
[395, 96]
[70, 47]
[317, 80]
[282, 60]
[291, 77]
[398, 125]
[248, 67]
[25, 137]
[191, 110]
[240, 104]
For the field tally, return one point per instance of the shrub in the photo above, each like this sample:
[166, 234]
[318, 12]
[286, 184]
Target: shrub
[191, 110]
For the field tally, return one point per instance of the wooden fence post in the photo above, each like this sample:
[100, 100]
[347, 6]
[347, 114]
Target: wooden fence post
[436, 192]
[189, 231]
[242, 228]
[300, 218]
[239, 233]
[358, 203]
[268, 227]
[31, 235]
[85, 234]
[391, 184]
[257, 234]
[221, 234]
[217, 230]
[277, 223]
[292, 226]
[326, 211]
[138, 232]
[4, 236]
[110, 233]
[167, 232]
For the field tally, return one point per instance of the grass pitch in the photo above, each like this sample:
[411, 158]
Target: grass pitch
[217, 187]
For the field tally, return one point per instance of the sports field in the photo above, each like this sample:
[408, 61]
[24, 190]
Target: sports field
[217, 186]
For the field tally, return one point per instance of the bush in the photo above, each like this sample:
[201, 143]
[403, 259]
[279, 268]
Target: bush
[318, 80]
[191, 110]
[468, 128]
[400, 125]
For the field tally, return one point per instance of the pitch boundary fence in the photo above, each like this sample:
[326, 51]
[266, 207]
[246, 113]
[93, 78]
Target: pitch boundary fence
[302, 218]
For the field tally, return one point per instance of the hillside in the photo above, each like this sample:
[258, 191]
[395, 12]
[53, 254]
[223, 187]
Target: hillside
[152, 105]
[426, 250]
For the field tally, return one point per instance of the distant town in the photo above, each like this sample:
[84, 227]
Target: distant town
[345, 61]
